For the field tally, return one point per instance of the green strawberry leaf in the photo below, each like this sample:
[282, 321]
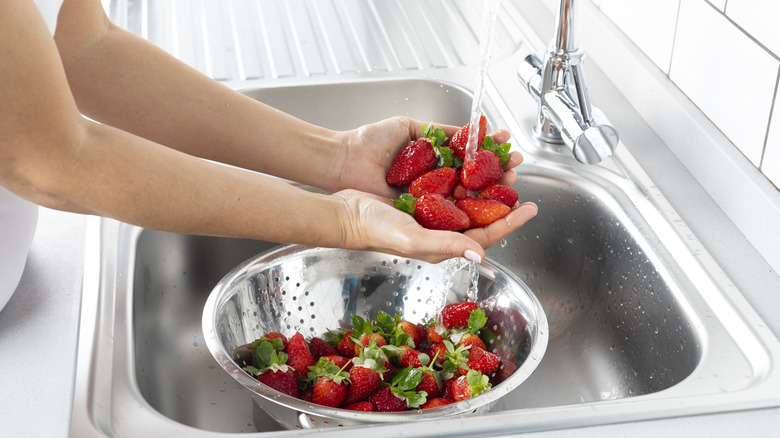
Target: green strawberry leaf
[361, 327]
[405, 203]
[435, 135]
[477, 320]
[502, 150]
[385, 324]
[478, 382]
[415, 399]
[408, 378]
[447, 158]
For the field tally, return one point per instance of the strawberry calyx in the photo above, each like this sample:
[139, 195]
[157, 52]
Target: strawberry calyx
[502, 150]
[456, 358]
[478, 382]
[325, 368]
[406, 203]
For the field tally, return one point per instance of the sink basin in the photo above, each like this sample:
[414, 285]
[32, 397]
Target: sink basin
[642, 323]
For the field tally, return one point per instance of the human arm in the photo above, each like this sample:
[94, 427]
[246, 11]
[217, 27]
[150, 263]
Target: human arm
[53, 156]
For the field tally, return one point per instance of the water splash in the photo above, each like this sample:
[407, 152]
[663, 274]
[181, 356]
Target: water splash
[489, 14]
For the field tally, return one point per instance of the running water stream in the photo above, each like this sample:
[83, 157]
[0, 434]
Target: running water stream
[439, 296]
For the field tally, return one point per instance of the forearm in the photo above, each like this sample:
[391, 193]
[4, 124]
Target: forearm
[121, 80]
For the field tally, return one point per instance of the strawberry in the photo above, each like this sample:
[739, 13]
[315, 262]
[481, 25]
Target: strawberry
[438, 351]
[331, 389]
[436, 402]
[435, 212]
[470, 385]
[299, 356]
[459, 192]
[472, 340]
[460, 140]
[409, 357]
[270, 368]
[340, 361]
[305, 394]
[364, 406]
[481, 360]
[346, 346]
[441, 181]
[365, 373]
[366, 340]
[282, 378]
[321, 348]
[430, 382]
[481, 211]
[414, 160]
[364, 381]
[456, 315]
[415, 332]
[435, 334]
[484, 170]
[386, 401]
[243, 355]
[501, 193]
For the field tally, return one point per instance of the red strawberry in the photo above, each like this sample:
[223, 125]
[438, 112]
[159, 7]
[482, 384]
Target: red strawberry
[299, 356]
[345, 346]
[456, 315]
[434, 335]
[340, 361]
[459, 192]
[470, 385]
[441, 181]
[385, 401]
[281, 378]
[436, 402]
[473, 340]
[330, 390]
[409, 357]
[305, 394]
[364, 406]
[414, 160]
[430, 383]
[446, 388]
[460, 140]
[484, 170]
[435, 212]
[243, 355]
[365, 340]
[415, 332]
[481, 211]
[481, 360]
[438, 351]
[501, 193]
[391, 368]
[363, 382]
[321, 348]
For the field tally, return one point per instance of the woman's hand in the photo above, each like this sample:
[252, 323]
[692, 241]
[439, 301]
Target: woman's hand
[371, 149]
[371, 222]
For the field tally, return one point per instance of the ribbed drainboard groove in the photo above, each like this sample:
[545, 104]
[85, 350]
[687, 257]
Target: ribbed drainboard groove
[232, 40]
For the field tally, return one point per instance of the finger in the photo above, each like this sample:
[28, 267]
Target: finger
[500, 229]
[500, 136]
[508, 178]
[515, 159]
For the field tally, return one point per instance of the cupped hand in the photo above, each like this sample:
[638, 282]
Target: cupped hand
[371, 149]
[371, 222]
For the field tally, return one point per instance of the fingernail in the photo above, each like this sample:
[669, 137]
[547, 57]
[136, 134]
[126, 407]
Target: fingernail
[472, 255]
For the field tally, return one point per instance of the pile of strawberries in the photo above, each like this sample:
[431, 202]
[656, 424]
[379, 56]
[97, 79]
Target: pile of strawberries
[444, 191]
[388, 364]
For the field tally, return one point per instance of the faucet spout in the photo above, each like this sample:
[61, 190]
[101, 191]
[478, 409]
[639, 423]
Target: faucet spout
[557, 82]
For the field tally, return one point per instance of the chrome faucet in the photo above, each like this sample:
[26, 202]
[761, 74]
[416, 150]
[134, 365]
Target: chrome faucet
[558, 84]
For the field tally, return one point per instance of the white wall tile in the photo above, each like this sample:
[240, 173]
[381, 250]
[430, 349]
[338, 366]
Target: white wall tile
[759, 18]
[771, 164]
[709, 64]
[650, 24]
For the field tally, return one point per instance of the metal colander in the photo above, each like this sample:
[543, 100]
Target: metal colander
[311, 290]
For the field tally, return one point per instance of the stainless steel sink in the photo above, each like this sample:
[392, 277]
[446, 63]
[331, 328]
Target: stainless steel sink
[643, 324]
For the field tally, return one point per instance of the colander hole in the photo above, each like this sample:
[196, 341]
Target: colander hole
[297, 285]
[388, 303]
[427, 278]
[390, 280]
[311, 329]
[302, 321]
[313, 317]
[419, 267]
[399, 309]
[287, 278]
[295, 298]
[408, 262]
[306, 293]
[289, 313]
[284, 292]
[395, 293]
[311, 304]
[300, 308]
[395, 261]
[362, 288]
